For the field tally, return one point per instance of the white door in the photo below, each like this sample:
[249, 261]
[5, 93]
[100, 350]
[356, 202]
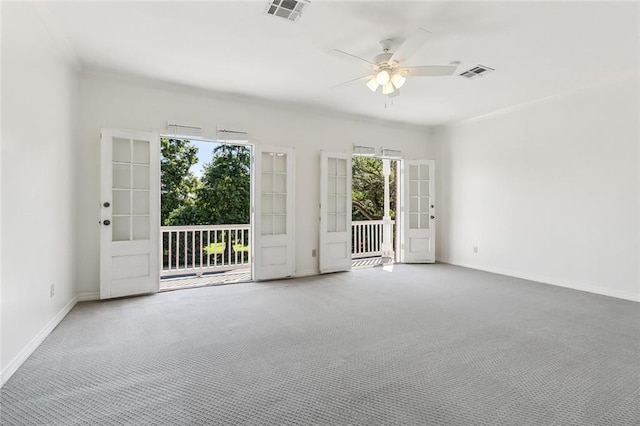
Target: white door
[419, 212]
[129, 213]
[335, 212]
[273, 213]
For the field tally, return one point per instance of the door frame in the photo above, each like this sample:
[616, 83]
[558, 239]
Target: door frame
[240, 142]
[399, 219]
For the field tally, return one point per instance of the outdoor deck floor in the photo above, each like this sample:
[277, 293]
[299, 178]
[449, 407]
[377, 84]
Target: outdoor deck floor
[239, 276]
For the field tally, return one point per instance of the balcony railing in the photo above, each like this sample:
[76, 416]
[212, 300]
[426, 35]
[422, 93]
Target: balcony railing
[366, 238]
[215, 248]
[204, 248]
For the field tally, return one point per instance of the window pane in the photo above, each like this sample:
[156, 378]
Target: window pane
[341, 224]
[331, 204]
[413, 172]
[280, 183]
[413, 187]
[331, 186]
[281, 162]
[121, 150]
[141, 177]
[267, 183]
[424, 187]
[267, 224]
[332, 167]
[424, 204]
[341, 204]
[342, 167]
[413, 220]
[141, 152]
[413, 204]
[280, 225]
[280, 204]
[121, 176]
[267, 204]
[141, 202]
[121, 202]
[121, 228]
[424, 221]
[141, 227]
[267, 161]
[424, 171]
[341, 186]
[331, 222]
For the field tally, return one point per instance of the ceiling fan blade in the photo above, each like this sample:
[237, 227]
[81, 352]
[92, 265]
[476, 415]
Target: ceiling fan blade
[345, 55]
[429, 70]
[363, 78]
[410, 45]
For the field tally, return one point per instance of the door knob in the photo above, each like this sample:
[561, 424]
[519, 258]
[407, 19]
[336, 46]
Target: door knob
[106, 222]
[433, 217]
[106, 204]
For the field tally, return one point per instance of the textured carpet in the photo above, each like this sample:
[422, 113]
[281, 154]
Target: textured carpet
[432, 344]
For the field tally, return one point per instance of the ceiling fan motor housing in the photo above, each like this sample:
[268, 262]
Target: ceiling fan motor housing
[383, 58]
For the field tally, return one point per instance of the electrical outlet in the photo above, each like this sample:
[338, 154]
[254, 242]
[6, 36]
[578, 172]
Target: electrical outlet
[52, 290]
[475, 249]
[314, 253]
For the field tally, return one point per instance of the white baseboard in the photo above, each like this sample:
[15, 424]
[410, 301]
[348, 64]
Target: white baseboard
[552, 281]
[22, 356]
[87, 296]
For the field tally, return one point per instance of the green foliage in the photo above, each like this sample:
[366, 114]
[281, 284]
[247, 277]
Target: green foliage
[178, 184]
[368, 189]
[225, 191]
[221, 196]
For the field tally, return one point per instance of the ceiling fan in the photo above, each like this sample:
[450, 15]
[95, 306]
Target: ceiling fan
[387, 71]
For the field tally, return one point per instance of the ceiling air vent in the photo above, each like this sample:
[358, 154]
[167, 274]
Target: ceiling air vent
[476, 71]
[291, 10]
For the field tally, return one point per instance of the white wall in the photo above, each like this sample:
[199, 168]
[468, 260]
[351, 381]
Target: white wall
[39, 100]
[549, 191]
[108, 101]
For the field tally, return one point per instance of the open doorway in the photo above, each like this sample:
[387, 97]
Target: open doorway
[375, 192]
[205, 230]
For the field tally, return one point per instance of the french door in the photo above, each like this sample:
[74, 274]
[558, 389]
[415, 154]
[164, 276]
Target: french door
[273, 214]
[418, 236]
[335, 212]
[129, 213]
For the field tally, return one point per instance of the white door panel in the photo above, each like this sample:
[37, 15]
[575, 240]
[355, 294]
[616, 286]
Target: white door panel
[335, 212]
[129, 213]
[273, 213]
[419, 212]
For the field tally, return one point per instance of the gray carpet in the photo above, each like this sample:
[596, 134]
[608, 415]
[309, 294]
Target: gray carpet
[432, 344]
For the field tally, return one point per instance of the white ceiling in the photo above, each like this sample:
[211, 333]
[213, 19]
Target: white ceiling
[537, 48]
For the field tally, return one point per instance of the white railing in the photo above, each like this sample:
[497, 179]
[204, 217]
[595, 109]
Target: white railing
[366, 238]
[204, 248]
[208, 248]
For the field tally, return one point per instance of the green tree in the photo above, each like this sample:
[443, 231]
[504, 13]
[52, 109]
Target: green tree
[225, 191]
[178, 184]
[368, 189]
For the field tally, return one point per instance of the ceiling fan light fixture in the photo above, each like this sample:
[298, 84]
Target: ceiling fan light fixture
[373, 84]
[383, 77]
[398, 80]
[388, 88]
